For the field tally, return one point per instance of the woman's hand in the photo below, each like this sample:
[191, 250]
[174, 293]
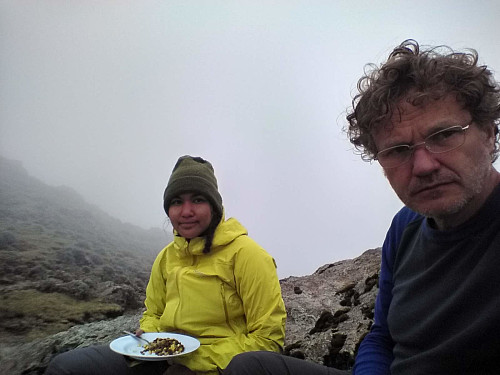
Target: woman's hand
[138, 332]
[179, 370]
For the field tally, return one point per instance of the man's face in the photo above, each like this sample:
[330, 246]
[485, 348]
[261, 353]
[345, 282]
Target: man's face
[448, 187]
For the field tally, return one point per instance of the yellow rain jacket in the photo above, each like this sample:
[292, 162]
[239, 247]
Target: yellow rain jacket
[229, 299]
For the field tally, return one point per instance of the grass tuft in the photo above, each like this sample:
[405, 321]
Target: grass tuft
[34, 314]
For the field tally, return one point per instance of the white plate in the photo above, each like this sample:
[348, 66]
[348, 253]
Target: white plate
[130, 346]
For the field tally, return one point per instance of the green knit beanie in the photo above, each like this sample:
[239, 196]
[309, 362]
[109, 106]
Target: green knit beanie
[196, 175]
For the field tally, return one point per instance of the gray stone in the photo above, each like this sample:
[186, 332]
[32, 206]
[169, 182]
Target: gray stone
[329, 313]
[328, 319]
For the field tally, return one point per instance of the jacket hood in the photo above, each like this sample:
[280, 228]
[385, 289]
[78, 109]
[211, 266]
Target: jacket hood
[226, 232]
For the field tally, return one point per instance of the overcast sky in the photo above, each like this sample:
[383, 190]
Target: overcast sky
[104, 96]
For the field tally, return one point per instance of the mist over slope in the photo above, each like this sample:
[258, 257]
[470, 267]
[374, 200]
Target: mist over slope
[64, 261]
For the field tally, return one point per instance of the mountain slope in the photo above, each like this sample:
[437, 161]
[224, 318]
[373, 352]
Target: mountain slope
[64, 260]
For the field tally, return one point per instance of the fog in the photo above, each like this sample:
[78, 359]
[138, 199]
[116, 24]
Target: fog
[104, 96]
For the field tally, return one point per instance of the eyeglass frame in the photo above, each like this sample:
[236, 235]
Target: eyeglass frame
[411, 148]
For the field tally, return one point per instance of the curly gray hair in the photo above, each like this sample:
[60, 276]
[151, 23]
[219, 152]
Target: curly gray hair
[419, 75]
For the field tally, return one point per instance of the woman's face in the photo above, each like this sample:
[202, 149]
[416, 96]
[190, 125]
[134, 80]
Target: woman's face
[190, 214]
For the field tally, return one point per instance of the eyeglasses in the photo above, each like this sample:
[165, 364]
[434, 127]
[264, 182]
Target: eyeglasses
[441, 141]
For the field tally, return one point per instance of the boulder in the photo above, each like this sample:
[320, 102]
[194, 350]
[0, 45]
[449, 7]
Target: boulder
[329, 313]
[33, 357]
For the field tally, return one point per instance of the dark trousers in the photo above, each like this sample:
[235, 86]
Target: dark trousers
[270, 363]
[101, 360]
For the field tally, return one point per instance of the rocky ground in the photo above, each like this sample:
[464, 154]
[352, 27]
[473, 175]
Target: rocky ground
[329, 313]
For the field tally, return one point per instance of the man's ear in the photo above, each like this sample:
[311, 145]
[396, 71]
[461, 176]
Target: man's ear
[491, 136]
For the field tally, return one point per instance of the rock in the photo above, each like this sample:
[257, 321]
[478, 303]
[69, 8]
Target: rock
[32, 358]
[123, 295]
[328, 320]
[329, 313]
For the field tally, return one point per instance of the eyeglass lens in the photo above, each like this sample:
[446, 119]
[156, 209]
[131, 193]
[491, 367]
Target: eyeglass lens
[442, 141]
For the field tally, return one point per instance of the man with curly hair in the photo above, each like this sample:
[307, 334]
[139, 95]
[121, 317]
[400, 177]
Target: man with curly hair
[431, 119]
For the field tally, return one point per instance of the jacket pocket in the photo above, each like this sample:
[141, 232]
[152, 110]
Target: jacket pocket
[226, 312]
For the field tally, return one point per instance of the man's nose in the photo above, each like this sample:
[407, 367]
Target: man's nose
[424, 162]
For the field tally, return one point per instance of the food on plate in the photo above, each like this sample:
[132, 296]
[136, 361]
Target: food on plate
[165, 346]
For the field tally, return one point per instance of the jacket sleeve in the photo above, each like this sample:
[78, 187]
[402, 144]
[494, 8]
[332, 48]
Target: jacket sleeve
[155, 296]
[375, 352]
[258, 287]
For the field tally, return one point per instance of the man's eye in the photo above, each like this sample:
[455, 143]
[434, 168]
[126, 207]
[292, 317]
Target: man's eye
[396, 151]
[443, 135]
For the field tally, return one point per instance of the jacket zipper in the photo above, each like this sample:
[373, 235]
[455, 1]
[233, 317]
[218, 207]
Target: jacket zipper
[178, 279]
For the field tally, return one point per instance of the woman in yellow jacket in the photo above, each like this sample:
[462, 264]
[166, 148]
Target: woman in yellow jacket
[212, 282]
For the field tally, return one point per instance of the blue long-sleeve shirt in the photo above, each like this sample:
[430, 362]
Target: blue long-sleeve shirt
[438, 307]
[375, 352]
